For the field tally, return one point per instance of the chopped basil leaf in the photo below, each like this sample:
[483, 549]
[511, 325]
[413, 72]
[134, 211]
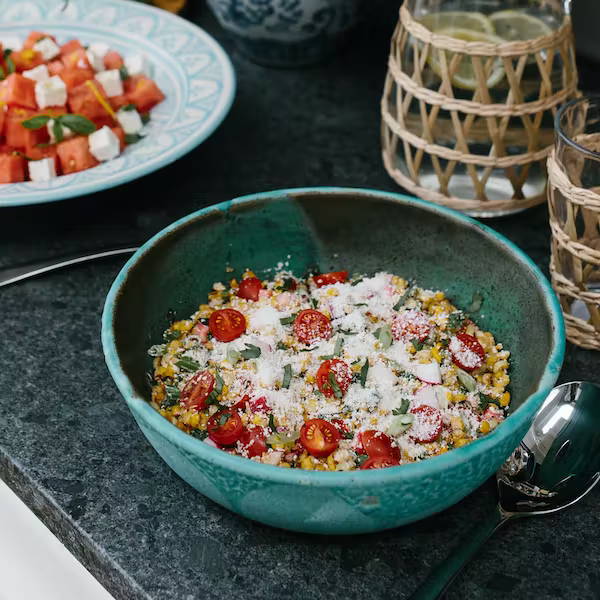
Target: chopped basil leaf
[407, 294]
[223, 419]
[10, 65]
[233, 355]
[476, 303]
[171, 335]
[281, 346]
[77, 123]
[347, 332]
[272, 425]
[145, 118]
[218, 382]
[128, 107]
[384, 335]
[455, 320]
[251, 351]
[2, 74]
[36, 122]
[356, 282]
[355, 362]
[288, 320]
[417, 344]
[360, 459]
[172, 396]
[314, 302]
[485, 400]
[287, 376]
[400, 424]
[347, 435]
[326, 356]
[201, 434]
[403, 408]
[134, 138]
[123, 73]
[337, 392]
[361, 304]
[187, 364]
[157, 350]
[7, 52]
[213, 398]
[288, 284]
[337, 349]
[364, 370]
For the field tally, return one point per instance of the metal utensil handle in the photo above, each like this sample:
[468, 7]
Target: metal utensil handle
[442, 576]
[15, 274]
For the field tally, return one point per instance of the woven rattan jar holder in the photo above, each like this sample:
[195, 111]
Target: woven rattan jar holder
[575, 262]
[402, 87]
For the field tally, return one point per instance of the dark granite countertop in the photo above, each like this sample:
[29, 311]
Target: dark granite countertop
[71, 450]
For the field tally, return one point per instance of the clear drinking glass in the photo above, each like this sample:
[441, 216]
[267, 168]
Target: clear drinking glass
[488, 21]
[575, 218]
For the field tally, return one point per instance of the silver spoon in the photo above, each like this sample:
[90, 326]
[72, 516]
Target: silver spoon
[556, 465]
[12, 275]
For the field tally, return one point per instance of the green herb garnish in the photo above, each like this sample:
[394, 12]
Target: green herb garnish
[134, 138]
[218, 382]
[356, 282]
[384, 335]
[36, 122]
[337, 392]
[456, 320]
[339, 343]
[347, 435]
[466, 380]
[364, 370]
[201, 434]
[171, 334]
[157, 349]
[288, 284]
[287, 376]
[123, 73]
[233, 355]
[77, 123]
[314, 302]
[145, 118]
[187, 364]
[407, 294]
[281, 346]
[128, 107]
[172, 398]
[361, 458]
[251, 351]
[417, 344]
[288, 320]
[347, 332]
[403, 408]
[485, 400]
[272, 423]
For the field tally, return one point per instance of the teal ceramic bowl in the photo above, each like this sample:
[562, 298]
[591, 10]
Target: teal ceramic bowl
[358, 230]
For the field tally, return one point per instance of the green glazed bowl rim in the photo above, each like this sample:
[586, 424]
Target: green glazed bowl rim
[427, 468]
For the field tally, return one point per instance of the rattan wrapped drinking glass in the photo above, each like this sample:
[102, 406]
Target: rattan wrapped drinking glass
[574, 203]
[467, 117]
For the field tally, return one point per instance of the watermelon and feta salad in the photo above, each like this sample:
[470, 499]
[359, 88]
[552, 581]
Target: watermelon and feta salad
[67, 108]
[330, 372]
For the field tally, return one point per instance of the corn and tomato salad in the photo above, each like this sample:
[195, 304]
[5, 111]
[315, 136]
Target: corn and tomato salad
[330, 372]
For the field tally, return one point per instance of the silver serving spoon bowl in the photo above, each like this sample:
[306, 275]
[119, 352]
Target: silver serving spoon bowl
[556, 464]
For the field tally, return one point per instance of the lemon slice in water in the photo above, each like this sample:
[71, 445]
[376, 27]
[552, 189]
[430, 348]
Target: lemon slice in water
[517, 26]
[464, 77]
[474, 21]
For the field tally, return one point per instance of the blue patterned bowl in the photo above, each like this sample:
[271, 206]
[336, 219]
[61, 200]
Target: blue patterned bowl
[287, 33]
[360, 230]
[189, 66]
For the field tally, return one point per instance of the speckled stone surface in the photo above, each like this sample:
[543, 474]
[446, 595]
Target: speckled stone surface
[71, 450]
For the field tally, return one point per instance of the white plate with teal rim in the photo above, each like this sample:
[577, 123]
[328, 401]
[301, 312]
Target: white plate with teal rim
[189, 66]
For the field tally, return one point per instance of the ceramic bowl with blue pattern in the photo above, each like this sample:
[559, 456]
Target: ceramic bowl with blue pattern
[361, 231]
[287, 33]
[189, 66]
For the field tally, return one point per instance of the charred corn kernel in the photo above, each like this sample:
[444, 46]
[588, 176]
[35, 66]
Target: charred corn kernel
[258, 420]
[184, 325]
[225, 390]
[456, 423]
[486, 379]
[373, 420]
[203, 420]
[168, 371]
[173, 345]
[204, 311]
[500, 365]
[320, 467]
[331, 463]
[194, 420]
[439, 296]
[234, 284]
[505, 399]
[458, 397]
[424, 356]
[442, 450]
[435, 352]
[501, 380]
[484, 427]
[356, 368]
[310, 378]
[332, 292]
[461, 442]
[248, 273]
[284, 465]
[412, 349]
[438, 310]
[491, 360]
[158, 393]
[307, 463]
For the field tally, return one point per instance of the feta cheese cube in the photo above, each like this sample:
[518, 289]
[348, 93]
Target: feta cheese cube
[104, 144]
[52, 92]
[47, 48]
[130, 121]
[100, 49]
[67, 133]
[111, 82]
[42, 170]
[11, 41]
[39, 73]
[95, 60]
[137, 65]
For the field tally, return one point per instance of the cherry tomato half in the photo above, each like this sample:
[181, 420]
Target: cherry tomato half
[311, 326]
[467, 352]
[227, 324]
[225, 427]
[329, 278]
[380, 462]
[253, 441]
[197, 389]
[337, 370]
[411, 324]
[428, 424]
[319, 437]
[250, 288]
[377, 444]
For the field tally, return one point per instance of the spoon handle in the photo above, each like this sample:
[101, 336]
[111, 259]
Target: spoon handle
[12, 275]
[442, 576]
